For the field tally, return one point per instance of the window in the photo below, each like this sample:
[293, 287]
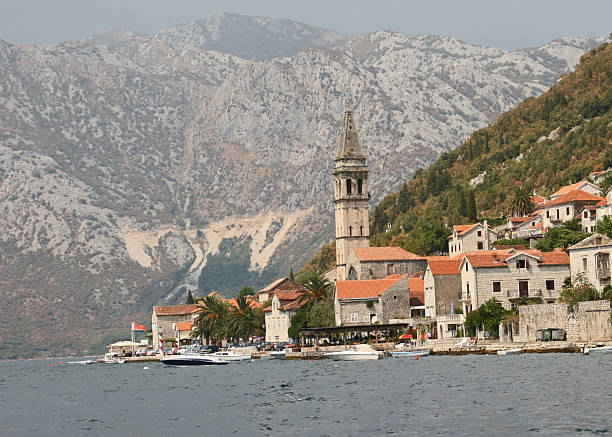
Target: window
[390, 269]
[352, 274]
[547, 214]
[366, 319]
[480, 233]
[523, 288]
[585, 264]
[550, 284]
[349, 186]
[480, 245]
[360, 186]
[467, 287]
[557, 213]
[586, 215]
[466, 267]
[361, 230]
[350, 231]
[496, 286]
[354, 317]
[567, 211]
[521, 264]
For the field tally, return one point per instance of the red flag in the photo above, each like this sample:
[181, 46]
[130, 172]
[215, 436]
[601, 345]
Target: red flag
[137, 327]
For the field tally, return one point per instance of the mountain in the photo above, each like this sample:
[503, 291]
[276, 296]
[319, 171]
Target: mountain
[134, 166]
[543, 144]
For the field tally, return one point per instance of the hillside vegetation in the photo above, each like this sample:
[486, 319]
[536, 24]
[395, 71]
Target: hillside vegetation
[545, 143]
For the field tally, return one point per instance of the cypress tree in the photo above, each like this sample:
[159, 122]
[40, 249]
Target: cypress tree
[190, 300]
[471, 206]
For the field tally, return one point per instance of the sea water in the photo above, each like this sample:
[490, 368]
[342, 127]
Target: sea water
[551, 394]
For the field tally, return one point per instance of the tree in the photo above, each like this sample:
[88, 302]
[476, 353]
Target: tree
[189, 300]
[245, 291]
[291, 275]
[322, 313]
[211, 323]
[317, 286]
[578, 289]
[243, 320]
[520, 202]
[471, 206]
[568, 234]
[604, 226]
[487, 316]
[298, 322]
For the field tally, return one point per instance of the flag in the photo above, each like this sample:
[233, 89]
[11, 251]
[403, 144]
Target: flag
[137, 327]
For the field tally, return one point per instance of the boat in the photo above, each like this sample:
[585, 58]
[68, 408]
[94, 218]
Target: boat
[598, 350]
[82, 362]
[230, 355]
[360, 352]
[515, 351]
[410, 353]
[278, 355]
[113, 358]
[192, 359]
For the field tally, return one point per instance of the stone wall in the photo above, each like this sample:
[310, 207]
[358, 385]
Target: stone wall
[395, 301]
[590, 321]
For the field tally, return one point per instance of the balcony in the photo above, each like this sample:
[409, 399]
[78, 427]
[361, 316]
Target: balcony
[602, 273]
[531, 294]
[465, 295]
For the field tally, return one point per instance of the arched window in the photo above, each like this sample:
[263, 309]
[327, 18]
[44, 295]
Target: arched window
[349, 186]
[359, 186]
[352, 274]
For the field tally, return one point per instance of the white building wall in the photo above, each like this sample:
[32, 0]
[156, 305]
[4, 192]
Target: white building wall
[581, 258]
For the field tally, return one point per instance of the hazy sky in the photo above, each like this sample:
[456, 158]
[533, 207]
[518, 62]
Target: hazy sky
[502, 23]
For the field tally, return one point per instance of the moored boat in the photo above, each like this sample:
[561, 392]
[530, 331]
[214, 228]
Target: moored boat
[598, 350]
[410, 353]
[113, 358]
[361, 352]
[515, 351]
[278, 355]
[192, 359]
[230, 356]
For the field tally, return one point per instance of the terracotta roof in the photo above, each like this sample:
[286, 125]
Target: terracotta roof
[538, 200]
[446, 267]
[519, 219]
[272, 286]
[568, 188]
[288, 295]
[462, 229]
[438, 258]
[498, 258]
[252, 302]
[176, 310]
[363, 289]
[575, 196]
[294, 305]
[384, 254]
[184, 326]
[417, 291]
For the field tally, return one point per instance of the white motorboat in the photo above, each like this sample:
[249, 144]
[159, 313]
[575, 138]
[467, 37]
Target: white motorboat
[515, 351]
[230, 356]
[278, 355]
[408, 353]
[598, 350]
[359, 352]
[82, 362]
[113, 358]
[192, 359]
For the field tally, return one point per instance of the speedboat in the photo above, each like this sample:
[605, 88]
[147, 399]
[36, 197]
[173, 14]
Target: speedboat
[278, 355]
[230, 355]
[82, 362]
[598, 350]
[515, 351]
[360, 352]
[410, 353]
[113, 358]
[192, 359]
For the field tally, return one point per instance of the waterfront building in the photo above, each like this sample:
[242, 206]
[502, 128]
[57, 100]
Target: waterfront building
[591, 257]
[281, 284]
[510, 275]
[278, 315]
[417, 295]
[471, 238]
[168, 317]
[379, 262]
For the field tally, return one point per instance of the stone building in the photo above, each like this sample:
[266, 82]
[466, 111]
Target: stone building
[417, 295]
[566, 207]
[351, 198]
[442, 284]
[281, 284]
[584, 186]
[166, 318]
[372, 301]
[589, 321]
[278, 315]
[471, 238]
[591, 214]
[379, 262]
[591, 257]
[510, 275]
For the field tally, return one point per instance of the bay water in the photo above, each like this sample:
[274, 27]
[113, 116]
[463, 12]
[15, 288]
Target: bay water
[548, 394]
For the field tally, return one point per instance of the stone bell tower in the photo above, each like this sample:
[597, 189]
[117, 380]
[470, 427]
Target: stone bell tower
[350, 198]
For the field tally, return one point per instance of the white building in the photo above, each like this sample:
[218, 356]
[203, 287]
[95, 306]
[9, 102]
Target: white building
[566, 207]
[278, 315]
[471, 238]
[591, 257]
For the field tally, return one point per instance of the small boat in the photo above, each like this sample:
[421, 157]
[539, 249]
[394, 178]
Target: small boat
[113, 358]
[230, 355]
[598, 350]
[82, 362]
[515, 351]
[278, 355]
[410, 353]
[359, 353]
[192, 359]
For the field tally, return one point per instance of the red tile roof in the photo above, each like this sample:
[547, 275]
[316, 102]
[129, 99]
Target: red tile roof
[568, 188]
[176, 310]
[184, 326]
[384, 254]
[498, 258]
[575, 196]
[417, 291]
[446, 267]
[537, 200]
[364, 289]
[288, 295]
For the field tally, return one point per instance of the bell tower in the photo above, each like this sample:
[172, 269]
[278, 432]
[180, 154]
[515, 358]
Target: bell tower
[350, 198]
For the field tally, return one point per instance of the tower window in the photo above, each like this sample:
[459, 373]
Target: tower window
[350, 231]
[359, 186]
[361, 230]
[349, 186]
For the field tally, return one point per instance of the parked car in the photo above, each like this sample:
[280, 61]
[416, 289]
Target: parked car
[141, 352]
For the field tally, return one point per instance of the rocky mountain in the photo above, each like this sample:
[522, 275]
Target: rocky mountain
[132, 166]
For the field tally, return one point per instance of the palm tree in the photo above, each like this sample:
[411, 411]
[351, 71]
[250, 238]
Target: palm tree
[244, 320]
[211, 323]
[317, 286]
[520, 202]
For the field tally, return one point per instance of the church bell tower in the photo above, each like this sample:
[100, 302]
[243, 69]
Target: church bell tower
[350, 198]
